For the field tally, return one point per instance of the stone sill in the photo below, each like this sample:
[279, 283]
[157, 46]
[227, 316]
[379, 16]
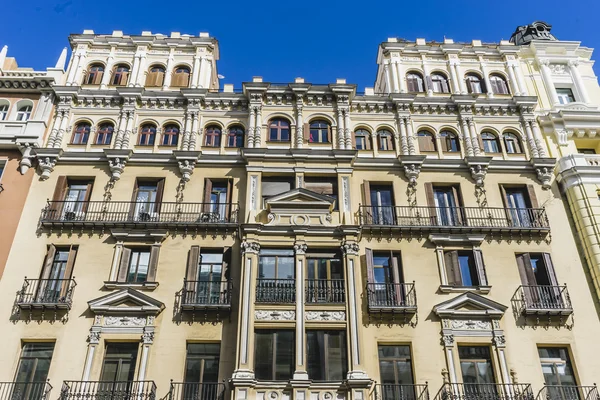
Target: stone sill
[111, 285]
[462, 289]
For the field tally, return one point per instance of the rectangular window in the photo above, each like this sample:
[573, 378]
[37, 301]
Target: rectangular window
[139, 263]
[147, 199]
[34, 365]
[276, 276]
[323, 185]
[274, 185]
[327, 360]
[557, 370]
[447, 201]
[476, 367]
[380, 198]
[54, 283]
[202, 368]
[217, 200]
[118, 365]
[565, 95]
[540, 285]
[465, 268]
[395, 368]
[586, 151]
[325, 278]
[521, 205]
[71, 198]
[274, 354]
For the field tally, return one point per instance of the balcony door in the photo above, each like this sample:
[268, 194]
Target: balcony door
[202, 371]
[538, 277]
[147, 198]
[55, 278]
[380, 201]
[71, 198]
[118, 371]
[325, 276]
[276, 276]
[447, 205]
[217, 200]
[32, 372]
[386, 278]
[395, 370]
[558, 373]
[477, 371]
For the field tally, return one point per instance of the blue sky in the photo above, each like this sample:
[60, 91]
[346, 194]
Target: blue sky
[280, 40]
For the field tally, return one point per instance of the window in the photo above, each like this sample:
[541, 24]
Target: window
[439, 83]
[465, 268]
[170, 135]
[385, 278]
[361, 140]
[379, 200]
[279, 130]
[274, 354]
[326, 355]
[94, 75]
[156, 76]
[449, 141]
[147, 198]
[207, 276]
[414, 82]
[235, 136]
[385, 140]
[475, 84]
[565, 95]
[540, 285]
[81, 133]
[323, 185]
[32, 371]
[217, 200]
[181, 77]
[426, 141]
[3, 111]
[395, 368]
[105, 133]
[586, 151]
[274, 185]
[118, 368]
[476, 367]
[558, 372]
[147, 135]
[24, 113]
[276, 276]
[120, 76]
[498, 84]
[490, 142]
[202, 369]
[445, 204]
[70, 199]
[138, 264]
[213, 136]
[319, 132]
[55, 277]
[521, 205]
[325, 278]
[512, 144]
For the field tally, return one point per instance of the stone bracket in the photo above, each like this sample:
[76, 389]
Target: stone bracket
[117, 159]
[186, 160]
[47, 159]
[479, 167]
[544, 167]
[412, 167]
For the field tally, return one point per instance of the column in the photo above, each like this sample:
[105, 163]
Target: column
[78, 71]
[426, 77]
[519, 74]
[375, 144]
[201, 73]
[299, 124]
[410, 135]
[300, 256]
[474, 137]
[547, 76]
[251, 124]
[129, 130]
[539, 140]
[403, 137]
[573, 64]
[461, 78]
[135, 70]
[147, 339]
[401, 77]
[258, 127]
[439, 254]
[108, 69]
[93, 341]
[169, 71]
[194, 132]
[455, 85]
[140, 80]
[448, 340]
[61, 129]
[467, 137]
[499, 342]
[340, 130]
[120, 130]
[513, 81]
[195, 71]
[186, 132]
[74, 66]
[394, 70]
[486, 78]
[530, 140]
[388, 79]
[347, 134]
[114, 267]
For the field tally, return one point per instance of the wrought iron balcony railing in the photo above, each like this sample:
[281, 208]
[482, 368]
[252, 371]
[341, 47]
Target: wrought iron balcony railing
[206, 295]
[108, 390]
[392, 297]
[532, 299]
[132, 212]
[568, 392]
[455, 217]
[275, 290]
[325, 291]
[51, 293]
[196, 391]
[25, 390]
[485, 391]
[401, 392]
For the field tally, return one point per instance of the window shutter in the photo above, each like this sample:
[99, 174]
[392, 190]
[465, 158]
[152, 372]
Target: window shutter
[160, 188]
[480, 141]
[429, 194]
[444, 143]
[340, 130]
[550, 269]
[411, 84]
[191, 273]
[428, 83]
[88, 194]
[225, 273]
[207, 194]
[153, 263]
[367, 193]
[532, 196]
[458, 201]
[329, 133]
[306, 132]
[134, 199]
[48, 262]
[452, 268]
[504, 196]
[65, 285]
[123, 80]
[98, 78]
[124, 265]
[483, 87]
[368, 142]
[480, 266]
[228, 200]
[60, 189]
[445, 87]
[525, 269]
[396, 268]
[370, 268]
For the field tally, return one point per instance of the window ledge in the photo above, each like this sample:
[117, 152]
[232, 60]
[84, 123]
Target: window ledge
[111, 285]
[462, 289]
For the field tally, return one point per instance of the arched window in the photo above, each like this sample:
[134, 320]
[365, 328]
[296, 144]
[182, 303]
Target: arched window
[439, 83]
[105, 133]
[319, 132]
[449, 142]
[156, 76]
[81, 133]
[490, 142]
[181, 77]
[213, 136]
[235, 136]
[414, 82]
[426, 141]
[147, 135]
[279, 130]
[94, 75]
[120, 76]
[170, 135]
[3, 111]
[361, 140]
[24, 113]
[475, 84]
[385, 140]
[512, 144]
[498, 84]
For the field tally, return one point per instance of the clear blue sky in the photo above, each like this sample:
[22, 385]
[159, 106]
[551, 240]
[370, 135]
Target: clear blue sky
[280, 40]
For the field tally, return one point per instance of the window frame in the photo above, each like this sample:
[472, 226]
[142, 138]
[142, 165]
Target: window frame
[4, 112]
[102, 133]
[394, 359]
[324, 359]
[517, 144]
[470, 81]
[499, 84]
[24, 112]
[178, 76]
[236, 133]
[385, 136]
[94, 77]
[212, 136]
[274, 352]
[80, 135]
[454, 270]
[147, 135]
[362, 133]
[441, 82]
[492, 138]
[120, 73]
[135, 250]
[277, 125]
[24, 358]
[561, 93]
[446, 137]
[414, 80]
[425, 133]
[322, 130]
[170, 135]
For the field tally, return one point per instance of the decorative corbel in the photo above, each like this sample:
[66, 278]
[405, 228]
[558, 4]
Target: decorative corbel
[544, 168]
[47, 159]
[26, 156]
[117, 159]
[187, 162]
[478, 167]
[412, 167]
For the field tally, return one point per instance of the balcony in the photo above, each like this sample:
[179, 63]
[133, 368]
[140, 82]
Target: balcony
[206, 295]
[325, 291]
[25, 391]
[567, 392]
[46, 293]
[485, 391]
[94, 390]
[276, 291]
[138, 214]
[543, 300]
[454, 219]
[392, 297]
[401, 392]
[196, 391]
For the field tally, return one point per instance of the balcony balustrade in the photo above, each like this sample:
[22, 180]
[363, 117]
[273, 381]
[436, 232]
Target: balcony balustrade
[392, 297]
[25, 390]
[568, 392]
[108, 390]
[550, 300]
[46, 293]
[196, 391]
[485, 391]
[328, 291]
[276, 291]
[401, 392]
[206, 295]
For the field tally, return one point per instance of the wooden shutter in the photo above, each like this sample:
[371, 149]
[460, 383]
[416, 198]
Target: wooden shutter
[225, 273]
[191, 273]
[445, 87]
[134, 196]
[48, 261]
[396, 268]
[306, 132]
[550, 269]
[228, 204]
[525, 269]
[458, 201]
[428, 83]
[480, 266]
[88, 194]
[329, 133]
[429, 194]
[370, 266]
[123, 80]
[153, 263]
[411, 84]
[444, 143]
[532, 197]
[66, 284]
[160, 188]
[207, 194]
[480, 141]
[124, 264]
[60, 189]
[504, 196]
[340, 130]
[98, 78]
[452, 268]
[367, 192]
[423, 141]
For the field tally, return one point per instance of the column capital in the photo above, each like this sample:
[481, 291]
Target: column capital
[350, 248]
[448, 340]
[300, 248]
[148, 336]
[250, 247]
[499, 341]
[573, 63]
[543, 62]
[94, 337]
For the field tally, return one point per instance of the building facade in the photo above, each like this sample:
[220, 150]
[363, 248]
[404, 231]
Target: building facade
[300, 240]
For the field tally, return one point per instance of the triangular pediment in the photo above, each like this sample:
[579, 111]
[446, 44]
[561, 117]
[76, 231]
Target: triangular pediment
[469, 305]
[301, 199]
[128, 301]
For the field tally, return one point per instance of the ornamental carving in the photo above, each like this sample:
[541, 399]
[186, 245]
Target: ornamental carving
[470, 325]
[116, 166]
[350, 248]
[186, 168]
[499, 341]
[448, 340]
[478, 173]
[300, 248]
[325, 315]
[46, 166]
[558, 69]
[124, 321]
[94, 337]
[274, 315]
[250, 247]
[148, 337]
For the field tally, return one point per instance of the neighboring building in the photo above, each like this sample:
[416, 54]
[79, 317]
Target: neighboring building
[25, 109]
[296, 240]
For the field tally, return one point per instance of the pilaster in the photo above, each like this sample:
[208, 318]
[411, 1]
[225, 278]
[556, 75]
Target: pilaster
[300, 372]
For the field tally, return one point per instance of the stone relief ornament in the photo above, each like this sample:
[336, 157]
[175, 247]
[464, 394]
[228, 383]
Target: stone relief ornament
[470, 325]
[350, 248]
[116, 165]
[499, 341]
[544, 175]
[448, 340]
[94, 337]
[148, 337]
[250, 247]
[300, 248]
[124, 321]
[478, 173]
[274, 315]
[325, 315]
[46, 166]
[412, 171]
[186, 168]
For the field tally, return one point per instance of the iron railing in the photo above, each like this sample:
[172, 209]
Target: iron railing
[46, 292]
[543, 299]
[485, 391]
[392, 296]
[139, 212]
[25, 390]
[568, 392]
[196, 391]
[474, 217]
[275, 290]
[206, 294]
[325, 291]
[108, 390]
[401, 392]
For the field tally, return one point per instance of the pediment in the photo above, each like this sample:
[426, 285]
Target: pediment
[128, 301]
[469, 305]
[300, 199]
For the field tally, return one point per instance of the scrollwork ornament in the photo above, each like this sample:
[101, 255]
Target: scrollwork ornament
[300, 248]
[499, 341]
[448, 340]
[250, 247]
[350, 248]
[94, 337]
[46, 166]
[148, 337]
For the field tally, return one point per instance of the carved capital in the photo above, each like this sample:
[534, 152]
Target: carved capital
[412, 171]
[544, 175]
[148, 337]
[350, 248]
[250, 247]
[46, 166]
[300, 248]
[499, 341]
[94, 337]
[573, 63]
[117, 159]
[448, 340]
